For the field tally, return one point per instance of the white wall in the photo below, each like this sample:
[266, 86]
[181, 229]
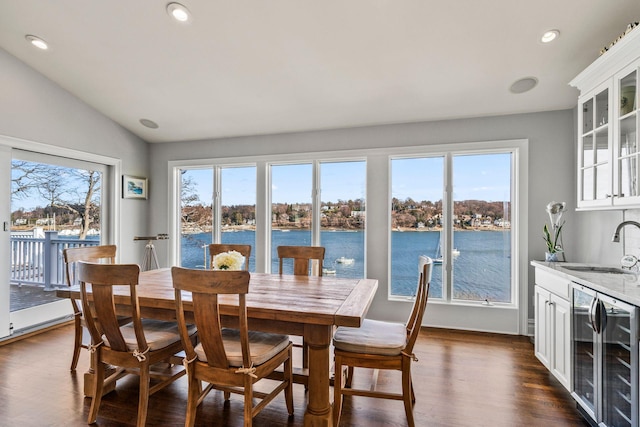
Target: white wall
[35, 109]
[552, 166]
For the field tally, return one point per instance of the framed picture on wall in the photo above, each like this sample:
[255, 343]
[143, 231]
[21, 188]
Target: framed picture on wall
[134, 187]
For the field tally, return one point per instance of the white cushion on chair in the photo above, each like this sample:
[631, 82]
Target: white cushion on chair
[263, 346]
[373, 337]
[158, 334]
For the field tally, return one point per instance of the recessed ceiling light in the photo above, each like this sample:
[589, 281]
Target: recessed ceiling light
[179, 12]
[549, 36]
[37, 42]
[149, 123]
[523, 85]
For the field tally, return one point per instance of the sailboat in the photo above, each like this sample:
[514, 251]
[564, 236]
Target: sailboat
[437, 259]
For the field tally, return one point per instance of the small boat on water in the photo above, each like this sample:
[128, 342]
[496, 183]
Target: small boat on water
[328, 271]
[344, 260]
[437, 259]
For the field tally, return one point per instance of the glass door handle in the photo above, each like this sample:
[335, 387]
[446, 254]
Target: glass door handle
[591, 312]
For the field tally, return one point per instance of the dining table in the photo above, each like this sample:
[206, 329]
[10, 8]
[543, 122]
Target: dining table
[307, 306]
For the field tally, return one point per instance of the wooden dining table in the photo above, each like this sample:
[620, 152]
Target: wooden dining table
[296, 305]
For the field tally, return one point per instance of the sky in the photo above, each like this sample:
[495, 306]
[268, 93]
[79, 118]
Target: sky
[477, 177]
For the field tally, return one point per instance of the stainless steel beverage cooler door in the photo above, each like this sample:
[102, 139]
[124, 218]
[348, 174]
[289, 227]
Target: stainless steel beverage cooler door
[619, 358]
[584, 348]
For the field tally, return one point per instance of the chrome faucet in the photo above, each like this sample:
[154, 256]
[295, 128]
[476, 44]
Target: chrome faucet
[616, 235]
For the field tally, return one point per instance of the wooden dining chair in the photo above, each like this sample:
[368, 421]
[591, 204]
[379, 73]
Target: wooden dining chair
[231, 360]
[381, 345]
[218, 248]
[98, 254]
[132, 348]
[307, 260]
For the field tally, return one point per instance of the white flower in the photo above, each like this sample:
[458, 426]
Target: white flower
[232, 260]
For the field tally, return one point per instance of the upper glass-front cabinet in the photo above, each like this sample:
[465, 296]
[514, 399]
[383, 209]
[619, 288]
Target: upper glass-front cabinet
[595, 148]
[627, 152]
[608, 152]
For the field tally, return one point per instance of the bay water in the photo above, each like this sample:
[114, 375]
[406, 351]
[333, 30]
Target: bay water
[481, 271]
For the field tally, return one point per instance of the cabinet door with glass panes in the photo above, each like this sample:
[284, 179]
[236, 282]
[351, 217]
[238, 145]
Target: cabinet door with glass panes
[595, 148]
[626, 127]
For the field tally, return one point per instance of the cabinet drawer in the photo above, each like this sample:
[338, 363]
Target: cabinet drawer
[554, 284]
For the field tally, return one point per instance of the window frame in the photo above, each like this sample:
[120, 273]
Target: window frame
[448, 220]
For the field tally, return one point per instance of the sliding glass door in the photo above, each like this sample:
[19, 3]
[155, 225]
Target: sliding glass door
[56, 203]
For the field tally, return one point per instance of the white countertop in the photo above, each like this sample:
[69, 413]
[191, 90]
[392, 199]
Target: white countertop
[624, 287]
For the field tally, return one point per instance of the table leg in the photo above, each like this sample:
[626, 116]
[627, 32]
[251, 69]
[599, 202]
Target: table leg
[318, 413]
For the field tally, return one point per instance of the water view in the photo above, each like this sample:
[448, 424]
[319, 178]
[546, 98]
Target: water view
[482, 270]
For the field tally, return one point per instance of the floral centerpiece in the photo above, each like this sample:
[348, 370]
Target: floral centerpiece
[552, 237]
[232, 260]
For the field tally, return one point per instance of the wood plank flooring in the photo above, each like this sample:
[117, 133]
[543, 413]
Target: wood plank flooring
[461, 379]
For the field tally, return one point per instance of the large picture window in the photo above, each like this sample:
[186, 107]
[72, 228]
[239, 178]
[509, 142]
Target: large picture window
[469, 238]
[375, 211]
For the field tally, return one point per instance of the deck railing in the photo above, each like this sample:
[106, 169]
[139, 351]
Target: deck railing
[39, 260]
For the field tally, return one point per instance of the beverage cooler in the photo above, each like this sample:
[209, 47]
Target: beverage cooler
[605, 358]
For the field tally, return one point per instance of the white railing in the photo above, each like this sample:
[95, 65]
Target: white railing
[39, 260]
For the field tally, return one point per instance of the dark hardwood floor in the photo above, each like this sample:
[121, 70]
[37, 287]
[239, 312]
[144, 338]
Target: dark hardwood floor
[461, 379]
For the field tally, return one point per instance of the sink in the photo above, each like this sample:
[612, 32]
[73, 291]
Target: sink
[597, 269]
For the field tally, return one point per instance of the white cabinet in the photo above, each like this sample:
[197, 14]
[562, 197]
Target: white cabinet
[608, 114]
[552, 337]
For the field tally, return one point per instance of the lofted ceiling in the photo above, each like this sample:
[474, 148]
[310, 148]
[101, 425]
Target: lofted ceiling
[250, 67]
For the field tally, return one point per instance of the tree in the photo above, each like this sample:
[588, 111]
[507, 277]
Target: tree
[69, 192]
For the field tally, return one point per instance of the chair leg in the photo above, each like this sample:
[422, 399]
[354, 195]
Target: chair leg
[413, 394]
[337, 392]
[288, 373]
[98, 382]
[143, 398]
[407, 396]
[305, 355]
[248, 401]
[195, 389]
[349, 377]
[77, 343]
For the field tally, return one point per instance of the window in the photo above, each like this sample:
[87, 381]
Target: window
[196, 216]
[416, 222]
[291, 207]
[238, 208]
[456, 203]
[234, 211]
[343, 217]
[470, 238]
[482, 228]
[333, 216]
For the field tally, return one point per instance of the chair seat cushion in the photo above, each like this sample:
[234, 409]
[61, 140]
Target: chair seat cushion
[158, 333]
[263, 346]
[373, 337]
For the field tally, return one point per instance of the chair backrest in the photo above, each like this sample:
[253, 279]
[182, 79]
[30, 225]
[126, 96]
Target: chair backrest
[307, 260]
[98, 299]
[218, 248]
[425, 265]
[97, 254]
[205, 287]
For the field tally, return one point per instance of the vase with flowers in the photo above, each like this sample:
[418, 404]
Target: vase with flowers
[552, 235]
[232, 260]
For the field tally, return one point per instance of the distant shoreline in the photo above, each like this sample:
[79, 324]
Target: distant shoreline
[236, 228]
